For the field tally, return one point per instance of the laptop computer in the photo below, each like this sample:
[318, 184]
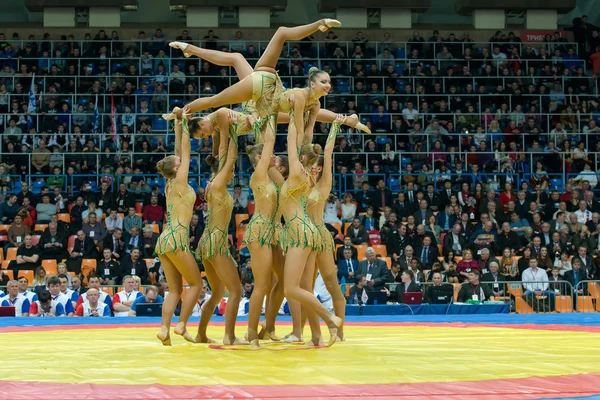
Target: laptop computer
[148, 310]
[412, 298]
[443, 294]
[378, 298]
[8, 311]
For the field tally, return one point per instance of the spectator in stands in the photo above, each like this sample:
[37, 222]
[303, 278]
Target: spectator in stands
[9, 209]
[132, 220]
[45, 210]
[348, 245]
[424, 212]
[153, 213]
[135, 265]
[57, 295]
[77, 214]
[149, 239]
[64, 280]
[124, 199]
[92, 306]
[374, 269]
[114, 243]
[53, 244]
[347, 266]
[108, 269]
[536, 284]
[16, 233]
[94, 230]
[40, 158]
[474, 290]
[23, 284]
[114, 221]
[454, 240]
[358, 233]
[358, 292]
[94, 283]
[28, 258]
[123, 300]
[84, 247]
[14, 299]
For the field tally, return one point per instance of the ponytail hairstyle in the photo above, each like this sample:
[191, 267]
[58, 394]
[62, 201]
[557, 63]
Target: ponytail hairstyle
[213, 163]
[165, 167]
[313, 72]
[309, 153]
[253, 153]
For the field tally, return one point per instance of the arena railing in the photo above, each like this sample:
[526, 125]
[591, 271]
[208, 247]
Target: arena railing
[587, 296]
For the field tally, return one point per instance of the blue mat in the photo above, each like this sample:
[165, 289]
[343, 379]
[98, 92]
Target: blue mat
[591, 319]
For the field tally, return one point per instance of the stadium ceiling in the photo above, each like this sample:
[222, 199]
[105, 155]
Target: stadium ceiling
[39, 5]
[328, 6]
[465, 7]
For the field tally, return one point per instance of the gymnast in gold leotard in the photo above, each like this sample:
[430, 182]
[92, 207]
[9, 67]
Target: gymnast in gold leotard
[260, 232]
[300, 234]
[172, 245]
[316, 206]
[263, 85]
[213, 249]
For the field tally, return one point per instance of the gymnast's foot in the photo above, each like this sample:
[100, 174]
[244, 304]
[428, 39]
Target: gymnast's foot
[315, 342]
[354, 122]
[264, 334]
[251, 337]
[181, 330]
[181, 46]
[176, 113]
[164, 336]
[231, 341]
[340, 334]
[204, 339]
[291, 338]
[329, 23]
[336, 322]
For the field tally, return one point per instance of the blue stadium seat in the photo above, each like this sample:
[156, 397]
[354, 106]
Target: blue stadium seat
[193, 183]
[159, 125]
[405, 162]
[394, 185]
[37, 186]
[343, 86]
[400, 52]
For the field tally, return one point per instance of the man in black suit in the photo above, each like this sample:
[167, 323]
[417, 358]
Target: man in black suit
[406, 258]
[357, 232]
[552, 205]
[587, 263]
[431, 197]
[495, 281]
[407, 285]
[149, 239]
[445, 194]
[106, 198]
[383, 196]
[375, 270]
[427, 253]
[401, 207]
[347, 266]
[411, 195]
[53, 244]
[576, 275]
[592, 205]
[124, 199]
[115, 244]
[134, 265]
[423, 214]
[507, 238]
[84, 247]
[339, 255]
[455, 241]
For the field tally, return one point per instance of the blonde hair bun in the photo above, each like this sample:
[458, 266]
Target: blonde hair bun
[317, 148]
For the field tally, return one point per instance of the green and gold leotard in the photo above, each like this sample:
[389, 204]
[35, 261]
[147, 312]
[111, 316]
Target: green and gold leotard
[180, 204]
[299, 230]
[261, 228]
[316, 208]
[215, 239]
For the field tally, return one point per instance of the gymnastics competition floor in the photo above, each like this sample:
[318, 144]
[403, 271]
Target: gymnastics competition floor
[384, 357]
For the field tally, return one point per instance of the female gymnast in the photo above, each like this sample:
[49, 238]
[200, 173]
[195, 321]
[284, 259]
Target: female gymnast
[213, 249]
[300, 234]
[316, 207]
[248, 120]
[264, 87]
[259, 236]
[172, 245]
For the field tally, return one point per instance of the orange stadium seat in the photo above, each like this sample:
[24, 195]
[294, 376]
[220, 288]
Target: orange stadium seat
[65, 217]
[49, 266]
[139, 206]
[11, 253]
[40, 227]
[27, 274]
[35, 239]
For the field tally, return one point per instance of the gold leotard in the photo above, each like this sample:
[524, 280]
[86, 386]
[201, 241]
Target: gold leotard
[215, 239]
[261, 227]
[176, 235]
[316, 204]
[299, 230]
[244, 127]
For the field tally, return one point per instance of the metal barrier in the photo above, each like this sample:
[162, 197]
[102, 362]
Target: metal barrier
[587, 296]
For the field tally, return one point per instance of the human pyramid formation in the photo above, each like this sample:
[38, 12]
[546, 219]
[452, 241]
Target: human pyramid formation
[292, 188]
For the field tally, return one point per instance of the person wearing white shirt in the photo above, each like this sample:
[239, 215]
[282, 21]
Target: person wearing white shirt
[16, 300]
[123, 300]
[113, 221]
[54, 288]
[94, 283]
[204, 297]
[92, 306]
[409, 114]
[23, 283]
[583, 214]
[536, 283]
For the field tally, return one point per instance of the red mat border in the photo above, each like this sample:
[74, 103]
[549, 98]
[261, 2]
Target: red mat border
[547, 327]
[526, 388]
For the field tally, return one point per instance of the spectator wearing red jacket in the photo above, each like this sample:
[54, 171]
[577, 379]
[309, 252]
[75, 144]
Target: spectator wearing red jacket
[153, 213]
[466, 265]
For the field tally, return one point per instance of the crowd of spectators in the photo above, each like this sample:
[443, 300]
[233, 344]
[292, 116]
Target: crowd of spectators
[484, 152]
